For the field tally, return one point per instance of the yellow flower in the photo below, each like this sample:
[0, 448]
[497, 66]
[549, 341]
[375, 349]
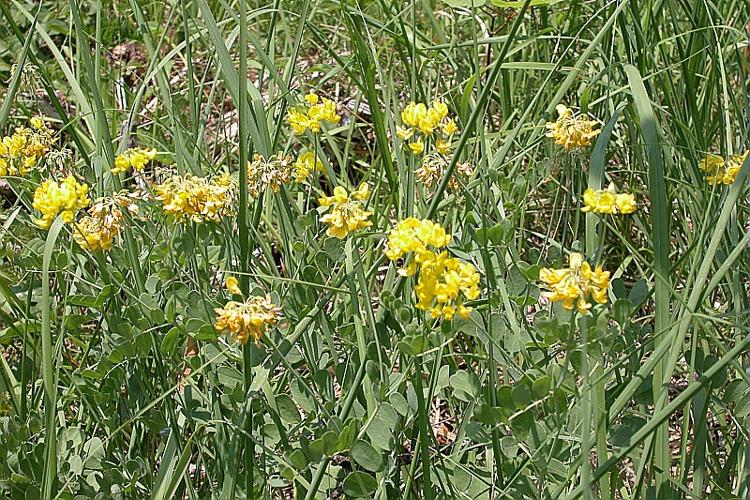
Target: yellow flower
[306, 164]
[442, 146]
[574, 285]
[417, 147]
[319, 109]
[571, 131]
[404, 133]
[719, 171]
[197, 198]
[414, 235]
[272, 173]
[440, 109]
[450, 127]
[443, 282]
[37, 123]
[247, 319]
[413, 114]
[344, 212]
[608, 201]
[23, 150]
[418, 118]
[233, 285]
[64, 198]
[98, 230]
[135, 158]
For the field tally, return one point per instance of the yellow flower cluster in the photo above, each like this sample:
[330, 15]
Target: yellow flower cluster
[719, 171]
[135, 158]
[574, 285]
[434, 166]
[318, 109]
[98, 230]
[233, 285]
[21, 151]
[271, 173]
[197, 198]
[571, 131]
[423, 121]
[608, 201]
[247, 319]
[306, 164]
[64, 198]
[345, 212]
[444, 282]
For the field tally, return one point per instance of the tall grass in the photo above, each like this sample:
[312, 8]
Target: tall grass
[117, 383]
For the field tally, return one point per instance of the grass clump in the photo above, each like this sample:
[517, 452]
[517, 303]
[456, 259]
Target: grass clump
[309, 249]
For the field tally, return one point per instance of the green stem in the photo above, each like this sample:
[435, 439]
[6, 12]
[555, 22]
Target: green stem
[600, 415]
[424, 429]
[247, 353]
[585, 410]
[48, 370]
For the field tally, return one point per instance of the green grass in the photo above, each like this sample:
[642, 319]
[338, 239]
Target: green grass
[114, 381]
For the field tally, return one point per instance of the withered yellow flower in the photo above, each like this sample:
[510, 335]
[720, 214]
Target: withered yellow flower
[571, 131]
[247, 319]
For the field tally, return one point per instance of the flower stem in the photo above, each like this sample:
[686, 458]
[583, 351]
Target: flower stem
[424, 429]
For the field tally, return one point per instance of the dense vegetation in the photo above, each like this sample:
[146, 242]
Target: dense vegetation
[372, 248]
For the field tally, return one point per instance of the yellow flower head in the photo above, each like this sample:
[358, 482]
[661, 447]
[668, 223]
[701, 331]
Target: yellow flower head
[197, 198]
[247, 319]
[608, 201]
[64, 198]
[98, 230]
[443, 282]
[442, 146]
[573, 286]
[417, 147]
[233, 285]
[571, 131]
[23, 150]
[426, 122]
[306, 163]
[345, 213]
[135, 158]
[318, 109]
[271, 173]
[719, 171]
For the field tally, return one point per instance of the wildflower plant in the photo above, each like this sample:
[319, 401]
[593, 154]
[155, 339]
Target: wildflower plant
[133, 159]
[64, 198]
[25, 148]
[271, 173]
[200, 199]
[248, 319]
[576, 285]
[317, 110]
[344, 212]
[444, 283]
[720, 171]
[570, 130]
[608, 201]
[382, 306]
[433, 167]
[422, 123]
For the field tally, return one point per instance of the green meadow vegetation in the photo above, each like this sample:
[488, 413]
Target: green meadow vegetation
[422, 249]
